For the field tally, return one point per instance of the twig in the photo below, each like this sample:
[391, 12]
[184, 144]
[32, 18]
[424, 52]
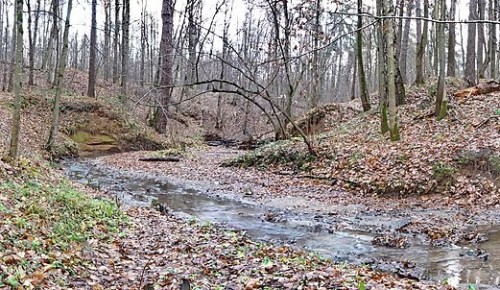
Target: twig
[486, 121]
[144, 271]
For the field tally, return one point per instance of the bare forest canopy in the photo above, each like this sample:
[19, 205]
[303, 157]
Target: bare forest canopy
[263, 63]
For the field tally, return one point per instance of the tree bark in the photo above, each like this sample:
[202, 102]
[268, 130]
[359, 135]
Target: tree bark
[452, 61]
[481, 4]
[391, 73]
[107, 38]
[116, 43]
[420, 61]
[143, 47]
[441, 102]
[492, 39]
[359, 49]
[470, 63]
[316, 82]
[125, 48]
[405, 42]
[381, 64]
[92, 52]
[32, 34]
[18, 61]
[59, 81]
[166, 47]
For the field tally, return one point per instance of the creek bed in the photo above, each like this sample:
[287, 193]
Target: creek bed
[459, 265]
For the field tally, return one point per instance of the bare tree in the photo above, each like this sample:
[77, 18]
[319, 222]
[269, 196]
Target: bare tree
[32, 36]
[107, 38]
[420, 62]
[59, 81]
[18, 61]
[92, 52]
[441, 102]
[166, 47]
[482, 62]
[359, 49]
[125, 47]
[391, 73]
[405, 42]
[116, 43]
[492, 41]
[143, 40]
[470, 68]
[452, 61]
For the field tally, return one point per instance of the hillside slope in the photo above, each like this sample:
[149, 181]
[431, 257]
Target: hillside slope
[458, 156]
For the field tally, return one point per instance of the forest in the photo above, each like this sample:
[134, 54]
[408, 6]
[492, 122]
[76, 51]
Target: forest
[250, 144]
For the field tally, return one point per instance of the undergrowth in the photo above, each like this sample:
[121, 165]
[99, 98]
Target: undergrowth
[277, 153]
[45, 224]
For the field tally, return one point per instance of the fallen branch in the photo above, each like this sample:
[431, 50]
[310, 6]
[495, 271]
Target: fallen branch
[486, 121]
[480, 89]
[161, 159]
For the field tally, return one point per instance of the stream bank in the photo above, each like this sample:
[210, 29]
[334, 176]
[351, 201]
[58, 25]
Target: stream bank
[343, 231]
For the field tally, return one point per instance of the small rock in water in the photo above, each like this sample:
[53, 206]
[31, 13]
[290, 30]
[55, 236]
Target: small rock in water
[163, 208]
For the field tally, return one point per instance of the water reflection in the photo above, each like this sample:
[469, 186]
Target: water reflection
[438, 264]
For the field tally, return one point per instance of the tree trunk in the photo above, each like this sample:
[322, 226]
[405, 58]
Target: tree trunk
[480, 39]
[18, 61]
[354, 74]
[6, 68]
[470, 62]
[92, 52]
[125, 48]
[391, 73]
[166, 45]
[107, 38]
[441, 102]
[54, 32]
[316, 82]
[420, 63]
[59, 81]
[116, 40]
[492, 39]
[452, 61]
[143, 47]
[399, 33]
[225, 39]
[32, 35]
[10, 85]
[2, 43]
[433, 42]
[382, 55]
[193, 36]
[363, 89]
[405, 42]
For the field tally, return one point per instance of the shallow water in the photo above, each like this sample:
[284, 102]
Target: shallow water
[187, 198]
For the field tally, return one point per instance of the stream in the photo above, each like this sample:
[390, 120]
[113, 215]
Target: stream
[458, 265]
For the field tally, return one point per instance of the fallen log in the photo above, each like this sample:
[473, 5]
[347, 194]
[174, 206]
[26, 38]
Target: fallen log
[161, 159]
[480, 89]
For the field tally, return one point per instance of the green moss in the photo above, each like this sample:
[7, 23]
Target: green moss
[395, 133]
[443, 112]
[83, 137]
[384, 126]
[277, 153]
[80, 136]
